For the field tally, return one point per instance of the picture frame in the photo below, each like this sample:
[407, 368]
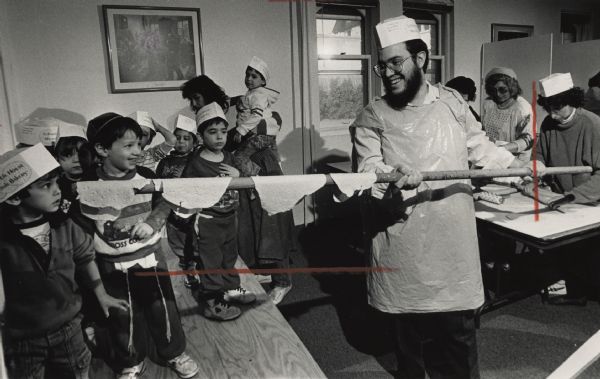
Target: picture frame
[502, 32]
[152, 48]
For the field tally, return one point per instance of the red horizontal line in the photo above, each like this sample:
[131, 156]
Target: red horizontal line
[269, 271]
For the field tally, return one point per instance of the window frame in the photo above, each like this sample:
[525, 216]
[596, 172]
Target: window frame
[368, 49]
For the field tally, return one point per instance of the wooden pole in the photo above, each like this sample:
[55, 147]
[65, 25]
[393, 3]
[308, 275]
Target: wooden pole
[247, 182]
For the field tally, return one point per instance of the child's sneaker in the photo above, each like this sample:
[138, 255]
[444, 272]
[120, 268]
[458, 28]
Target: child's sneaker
[191, 282]
[278, 293]
[239, 295]
[184, 366]
[217, 309]
[132, 372]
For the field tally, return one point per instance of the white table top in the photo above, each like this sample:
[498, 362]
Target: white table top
[517, 213]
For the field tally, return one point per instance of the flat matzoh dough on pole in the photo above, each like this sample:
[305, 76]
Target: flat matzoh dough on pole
[350, 183]
[189, 195]
[104, 199]
[280, 193]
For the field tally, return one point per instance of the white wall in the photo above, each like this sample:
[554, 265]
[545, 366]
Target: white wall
[473, 19]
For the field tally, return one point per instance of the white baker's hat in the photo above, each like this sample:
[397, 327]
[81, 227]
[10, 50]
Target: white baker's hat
[186, 123]
[143, 118]
[70, 130]
[208, 112]
[396, 30]
[21, 167]
[555, 84]
[260, 66]
[33, 131]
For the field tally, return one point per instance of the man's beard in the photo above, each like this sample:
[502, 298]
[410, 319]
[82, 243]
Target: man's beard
[413, 84]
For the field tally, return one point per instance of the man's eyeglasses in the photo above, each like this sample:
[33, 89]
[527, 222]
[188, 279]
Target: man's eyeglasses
[394, 64]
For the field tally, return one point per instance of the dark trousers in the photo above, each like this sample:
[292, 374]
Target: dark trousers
[149, 314]
[255, 143]
[580, 264]
[217, 249]
[59, 354]
[181, 241]
[442, 344]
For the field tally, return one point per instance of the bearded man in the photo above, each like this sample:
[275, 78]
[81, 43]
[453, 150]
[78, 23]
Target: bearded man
[424, 231]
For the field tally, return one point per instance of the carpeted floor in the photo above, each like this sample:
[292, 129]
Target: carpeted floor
[526, 339]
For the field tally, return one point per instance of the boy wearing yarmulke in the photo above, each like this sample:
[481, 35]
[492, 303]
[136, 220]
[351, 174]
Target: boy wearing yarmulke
[41, 250]
[127, 244]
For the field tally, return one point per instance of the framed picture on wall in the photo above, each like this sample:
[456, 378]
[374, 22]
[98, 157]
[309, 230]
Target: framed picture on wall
[152, 48]
[501, 32]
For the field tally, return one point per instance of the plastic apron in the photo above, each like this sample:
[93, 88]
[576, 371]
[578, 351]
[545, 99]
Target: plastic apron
[433, 248]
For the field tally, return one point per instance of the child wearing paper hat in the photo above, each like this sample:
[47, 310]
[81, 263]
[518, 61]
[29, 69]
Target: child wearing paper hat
[255, 123]
[70, 139]
[570, 136]
[215, 231]
[151, 156]
[178, 231]
[41, 252]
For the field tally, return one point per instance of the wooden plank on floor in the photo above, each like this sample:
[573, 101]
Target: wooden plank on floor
[258, 344]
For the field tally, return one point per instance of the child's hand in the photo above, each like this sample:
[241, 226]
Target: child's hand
[237, 137]
[107, 302]
[228, 170]
[142, 231]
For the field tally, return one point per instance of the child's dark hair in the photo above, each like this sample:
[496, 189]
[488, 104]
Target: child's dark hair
[464, 85]
[67, 146]
[109, 127]
[259, 73]
[512, 84]
[594, 81]
[151, 136]
[24, 193]
[213, 121]
[573, 97]
[209, 90]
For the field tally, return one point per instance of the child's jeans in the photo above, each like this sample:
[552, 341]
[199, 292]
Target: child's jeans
[59, 354]
[153, 308]
[253, 144]
[217, 249]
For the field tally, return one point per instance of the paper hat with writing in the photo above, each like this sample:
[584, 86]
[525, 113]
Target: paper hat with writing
[208, 112]
[555, 84]
[260, 66]
[143, 118]
[38, 130]
[502, 70]
[186, 123]
[70, 130]
[396, 30]
[21, 167]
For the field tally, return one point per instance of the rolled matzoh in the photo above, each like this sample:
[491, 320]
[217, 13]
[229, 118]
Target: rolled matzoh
[190, 195]
[349, 183]
[104, 200]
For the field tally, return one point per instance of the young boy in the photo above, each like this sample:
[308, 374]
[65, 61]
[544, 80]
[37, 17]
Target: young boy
[127, 244]
[253, 107]
[215, 227]
[41, 251]
[178, 229]
[69, 141]
[151, 156]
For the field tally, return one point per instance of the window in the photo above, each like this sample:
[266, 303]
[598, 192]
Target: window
[432, 25]
[344, 62]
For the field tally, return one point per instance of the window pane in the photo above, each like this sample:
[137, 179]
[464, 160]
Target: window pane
[341, 97]
[434, 71]
[345, 65]
[429, 34]
[339, 36]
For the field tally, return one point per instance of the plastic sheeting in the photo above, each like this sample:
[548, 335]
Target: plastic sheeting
[428, 235]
